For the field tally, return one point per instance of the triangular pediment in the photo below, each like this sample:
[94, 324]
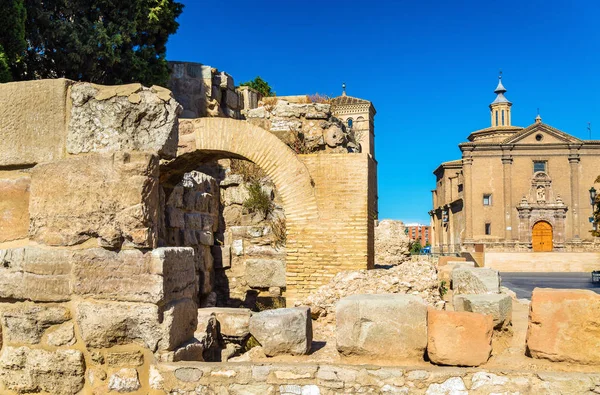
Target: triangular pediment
[540, 133]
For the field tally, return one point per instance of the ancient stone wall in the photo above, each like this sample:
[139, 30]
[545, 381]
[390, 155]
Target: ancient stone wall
[325, 379]
[204, 91]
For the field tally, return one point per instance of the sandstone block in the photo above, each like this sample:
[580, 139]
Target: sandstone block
[41, 275]
[24, 369]
[563, 325]
[33, 121]
[265, 273]
[122, 118]
[26, 322]
[443, 260]
[208, 335]
[283, 331]
[124, 380]
[110, 196]
[233, 323]
[477, 280]
[459, 338]
[125, 358]
[14, 207]
[106, 324]
[63, 335]
[499, 306]
[160, 276]
[390, 325]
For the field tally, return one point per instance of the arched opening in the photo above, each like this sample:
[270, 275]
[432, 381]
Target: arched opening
[221, 165]
[541, 237]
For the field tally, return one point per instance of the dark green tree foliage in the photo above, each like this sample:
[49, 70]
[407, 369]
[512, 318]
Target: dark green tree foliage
[260, 85]
[12, 37]
[101, 41]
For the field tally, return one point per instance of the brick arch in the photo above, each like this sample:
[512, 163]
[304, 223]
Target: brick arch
[204, 139]
[225, 137]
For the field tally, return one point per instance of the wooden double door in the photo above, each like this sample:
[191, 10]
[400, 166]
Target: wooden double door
[541, 237]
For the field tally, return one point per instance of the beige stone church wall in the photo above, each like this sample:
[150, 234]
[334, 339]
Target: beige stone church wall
[487, 178]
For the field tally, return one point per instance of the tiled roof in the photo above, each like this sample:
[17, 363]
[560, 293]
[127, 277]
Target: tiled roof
[343, 100]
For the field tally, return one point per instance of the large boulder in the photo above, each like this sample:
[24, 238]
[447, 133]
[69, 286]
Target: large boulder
[110, 196]
[265, 273]
[26, 322]
[386, 325]
[477, 280]
[123, 118]
[564, 325]
[499, 306]
[459, 338]
[283, 331]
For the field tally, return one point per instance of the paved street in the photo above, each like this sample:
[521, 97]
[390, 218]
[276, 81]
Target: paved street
[524, 283]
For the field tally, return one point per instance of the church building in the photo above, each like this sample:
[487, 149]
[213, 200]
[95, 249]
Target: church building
[516, 189]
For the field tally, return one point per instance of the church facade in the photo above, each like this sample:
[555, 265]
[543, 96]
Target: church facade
[516, 189]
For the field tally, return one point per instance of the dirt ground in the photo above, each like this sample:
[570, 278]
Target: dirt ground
[508, 350]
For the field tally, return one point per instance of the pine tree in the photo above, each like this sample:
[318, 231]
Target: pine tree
[12, 37]
[100, 41]
[260, 85]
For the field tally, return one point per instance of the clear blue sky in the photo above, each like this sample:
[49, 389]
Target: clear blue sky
[429, 67]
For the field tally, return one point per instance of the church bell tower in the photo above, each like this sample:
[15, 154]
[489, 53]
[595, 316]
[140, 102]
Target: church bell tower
[500, 108]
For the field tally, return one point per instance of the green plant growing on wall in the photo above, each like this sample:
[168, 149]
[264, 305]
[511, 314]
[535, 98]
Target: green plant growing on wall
[260, 85]
[443, 288]
[258, 200]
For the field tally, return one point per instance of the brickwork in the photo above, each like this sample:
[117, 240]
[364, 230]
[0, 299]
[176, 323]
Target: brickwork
[325, 197]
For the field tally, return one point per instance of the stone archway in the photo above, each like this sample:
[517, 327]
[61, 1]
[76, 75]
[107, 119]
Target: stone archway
[206, 139]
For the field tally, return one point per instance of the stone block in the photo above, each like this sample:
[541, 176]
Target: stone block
[14, 206]
[459, 338]
[499, 306]
[25, 369]
[222, 256]
[33, 118]
[124, 380]
[122, 118]
[234, 323]
[283, 331]
[26, 322]
[63, 335]
[445, 271]
[477, 280]
[40, 275]
[384, 325]
[160, 276]
[106, 324]
[443, 260]
[265, 273]
[110, 196]
[124, 358]
[563, 325]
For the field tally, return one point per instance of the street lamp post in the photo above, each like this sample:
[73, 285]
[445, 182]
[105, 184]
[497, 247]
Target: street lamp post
[593, 203]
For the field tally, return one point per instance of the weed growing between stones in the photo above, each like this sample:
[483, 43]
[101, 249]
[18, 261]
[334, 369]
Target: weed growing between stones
[259, 200]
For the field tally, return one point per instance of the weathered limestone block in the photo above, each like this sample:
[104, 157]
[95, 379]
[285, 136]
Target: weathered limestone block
[160, 276]
[26, 322]
[33, 118]
[459, 338]
[445, 271]
[63, 335]
[443, 260]
[123, 118]
[208, 335]
[390, 325]
[124, 380]
[564, 325]
[265, 273]
[30, 273]
[499, 306]
[24, 369]
[14, 206]
[233, 323]
[110, 196]
[476, 280]
[106, 324]
[124, 358]
[283, 331]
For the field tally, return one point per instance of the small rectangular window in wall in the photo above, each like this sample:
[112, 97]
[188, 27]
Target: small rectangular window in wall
[487, 200]
[488, 229]
[539, 165]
